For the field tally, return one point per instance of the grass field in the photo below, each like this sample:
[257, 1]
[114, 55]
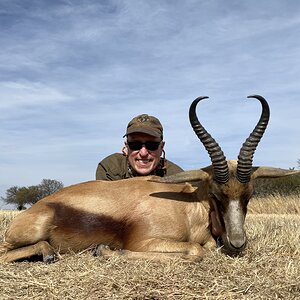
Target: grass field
[269, 268]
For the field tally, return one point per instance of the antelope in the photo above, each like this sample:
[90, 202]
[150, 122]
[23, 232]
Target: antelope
[148, 217]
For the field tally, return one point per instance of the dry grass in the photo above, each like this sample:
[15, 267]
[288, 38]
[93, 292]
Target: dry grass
[269, 268]
[275, 205]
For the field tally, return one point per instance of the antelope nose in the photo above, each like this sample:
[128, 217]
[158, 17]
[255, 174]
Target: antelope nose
[238, 244]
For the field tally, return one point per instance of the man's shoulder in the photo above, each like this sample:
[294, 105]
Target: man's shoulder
[112, 167]
[115, 158]
[172, 168]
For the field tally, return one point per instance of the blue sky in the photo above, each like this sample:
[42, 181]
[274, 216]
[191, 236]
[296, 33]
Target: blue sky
[73, 73]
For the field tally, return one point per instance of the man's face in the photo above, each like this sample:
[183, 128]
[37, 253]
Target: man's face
[141, 159]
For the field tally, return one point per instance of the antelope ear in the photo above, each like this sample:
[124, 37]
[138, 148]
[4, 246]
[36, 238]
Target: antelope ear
[186, 176]
[269, 172]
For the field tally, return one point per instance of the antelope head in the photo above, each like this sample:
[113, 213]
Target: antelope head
[228, 185]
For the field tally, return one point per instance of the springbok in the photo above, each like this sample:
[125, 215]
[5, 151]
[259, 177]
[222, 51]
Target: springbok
[148, 217]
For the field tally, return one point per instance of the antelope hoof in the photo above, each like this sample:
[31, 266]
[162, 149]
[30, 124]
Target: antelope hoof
[49, 259]
[102, 250]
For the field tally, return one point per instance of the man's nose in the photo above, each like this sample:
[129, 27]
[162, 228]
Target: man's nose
[143, 151]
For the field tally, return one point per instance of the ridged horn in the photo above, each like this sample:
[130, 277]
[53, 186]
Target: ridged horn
[244, 166]
[219, 163]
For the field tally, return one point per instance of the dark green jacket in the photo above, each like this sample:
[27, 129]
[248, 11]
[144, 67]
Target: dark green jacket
[115, 167]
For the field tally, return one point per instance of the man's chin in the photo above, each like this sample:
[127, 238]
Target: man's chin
[144, 170]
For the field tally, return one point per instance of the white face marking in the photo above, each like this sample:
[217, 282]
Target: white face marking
[235, 215]
[234, 224]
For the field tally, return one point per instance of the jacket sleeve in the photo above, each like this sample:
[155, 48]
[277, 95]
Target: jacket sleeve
[113, 167]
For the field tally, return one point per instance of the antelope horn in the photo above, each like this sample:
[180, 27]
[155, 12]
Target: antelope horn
[219, 163]
[244, 166]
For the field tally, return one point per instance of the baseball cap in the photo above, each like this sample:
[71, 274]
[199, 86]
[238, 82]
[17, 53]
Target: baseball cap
[145, 124]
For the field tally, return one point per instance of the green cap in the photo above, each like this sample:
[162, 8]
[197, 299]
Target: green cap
[145, 124]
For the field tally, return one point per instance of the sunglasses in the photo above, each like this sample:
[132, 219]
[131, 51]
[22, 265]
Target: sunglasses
[149, 145]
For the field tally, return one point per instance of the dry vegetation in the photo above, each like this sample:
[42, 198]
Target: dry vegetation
[269, 268]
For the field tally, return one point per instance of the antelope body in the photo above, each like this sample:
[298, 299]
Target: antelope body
[148, 217]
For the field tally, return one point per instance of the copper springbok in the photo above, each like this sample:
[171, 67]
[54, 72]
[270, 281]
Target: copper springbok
[148, 217]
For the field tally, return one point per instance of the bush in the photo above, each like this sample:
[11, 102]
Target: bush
[283, 186]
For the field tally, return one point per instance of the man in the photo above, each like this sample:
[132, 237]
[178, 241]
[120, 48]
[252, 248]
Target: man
[141, 155]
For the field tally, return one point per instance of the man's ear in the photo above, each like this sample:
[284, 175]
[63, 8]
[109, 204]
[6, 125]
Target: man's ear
[125, 150]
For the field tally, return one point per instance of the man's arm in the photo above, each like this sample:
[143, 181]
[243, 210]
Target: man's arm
[113, 167]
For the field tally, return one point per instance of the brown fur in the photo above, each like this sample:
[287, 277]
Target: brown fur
[122, 214]
[148, 219]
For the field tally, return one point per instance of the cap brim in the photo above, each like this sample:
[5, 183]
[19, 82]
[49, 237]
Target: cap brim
[142, 130]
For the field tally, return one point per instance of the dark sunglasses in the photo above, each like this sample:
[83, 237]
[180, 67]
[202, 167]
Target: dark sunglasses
[149, 145]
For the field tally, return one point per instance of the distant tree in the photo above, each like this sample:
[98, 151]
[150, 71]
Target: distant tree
[20, 196]
[28, 195]
[298, 163]
[48, 187]
[11, 197]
